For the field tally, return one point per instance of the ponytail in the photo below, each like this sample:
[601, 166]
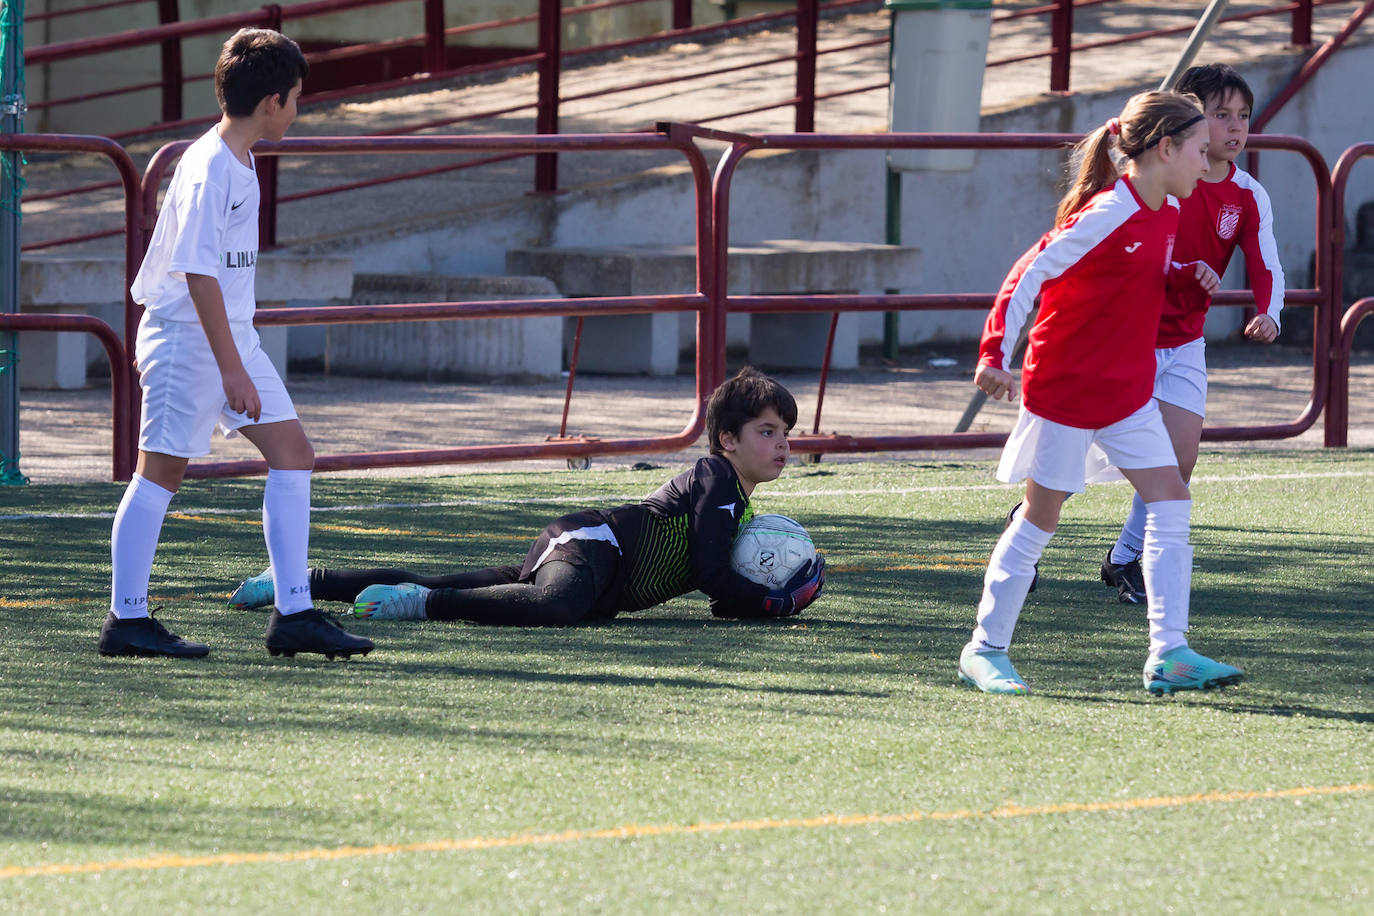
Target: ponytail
[1096, 171]
[1146, 120]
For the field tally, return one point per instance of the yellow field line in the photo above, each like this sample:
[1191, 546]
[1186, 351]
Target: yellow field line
[636, 831]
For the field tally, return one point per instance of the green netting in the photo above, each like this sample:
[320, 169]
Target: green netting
[11, 190]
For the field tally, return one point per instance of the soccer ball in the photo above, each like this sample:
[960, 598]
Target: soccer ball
[770, 549]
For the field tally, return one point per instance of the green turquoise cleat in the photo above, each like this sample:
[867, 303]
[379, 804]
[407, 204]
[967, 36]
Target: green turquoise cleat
[253, 592]
[990, 672]
[391, 602]
[1184, 669]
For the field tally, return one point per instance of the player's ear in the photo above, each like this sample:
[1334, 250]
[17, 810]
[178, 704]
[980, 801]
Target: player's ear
[729, 442]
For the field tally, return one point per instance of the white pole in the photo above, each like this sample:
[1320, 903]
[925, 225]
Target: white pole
[1201, 32]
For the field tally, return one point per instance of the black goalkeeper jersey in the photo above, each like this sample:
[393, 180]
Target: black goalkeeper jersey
[676, 540]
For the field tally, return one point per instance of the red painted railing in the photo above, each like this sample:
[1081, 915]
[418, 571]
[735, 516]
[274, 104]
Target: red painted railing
[1338, 410]
[1319, 297]
[1331, 347]
[550, 59]
[122, 440]
[1062, 48]
[702, 301]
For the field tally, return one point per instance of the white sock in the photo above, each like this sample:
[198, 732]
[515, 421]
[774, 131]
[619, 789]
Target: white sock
[1131, 544]
[1168, 567]
[1005, 584]
[133, 543]
[286, 527]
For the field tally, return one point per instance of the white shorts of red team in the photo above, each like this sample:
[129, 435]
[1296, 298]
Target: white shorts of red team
[1181, 376]
[183, 394]
[1067, 458]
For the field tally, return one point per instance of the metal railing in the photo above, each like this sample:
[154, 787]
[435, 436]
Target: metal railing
[123, 443]
[1318, 297]
[550, 60]
[1338, 410]
[711, 302]
[1062, 48]
[679, 139]
[547, 57]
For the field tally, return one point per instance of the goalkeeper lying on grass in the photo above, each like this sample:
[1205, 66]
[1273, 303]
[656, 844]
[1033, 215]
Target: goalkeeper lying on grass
[597, 563]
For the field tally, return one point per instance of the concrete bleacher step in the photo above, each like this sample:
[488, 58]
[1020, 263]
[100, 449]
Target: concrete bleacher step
[95, 285]
[482, 347]
[652, 344]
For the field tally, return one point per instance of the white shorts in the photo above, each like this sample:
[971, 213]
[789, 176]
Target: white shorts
[1181, 376]
[183, 394]
[1067, 458]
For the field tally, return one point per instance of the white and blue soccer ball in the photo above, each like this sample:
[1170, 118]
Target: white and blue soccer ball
[770, 548]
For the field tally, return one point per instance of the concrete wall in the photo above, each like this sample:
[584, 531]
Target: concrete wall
[970, 226]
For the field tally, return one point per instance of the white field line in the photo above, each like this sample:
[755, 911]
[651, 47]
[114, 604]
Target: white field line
[616, 498]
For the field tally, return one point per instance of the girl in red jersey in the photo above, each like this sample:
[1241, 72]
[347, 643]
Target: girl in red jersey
[1228, 210]
[1088, 376]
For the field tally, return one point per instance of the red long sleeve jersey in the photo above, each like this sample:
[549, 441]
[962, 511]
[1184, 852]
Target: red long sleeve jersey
[1100, 277]
[1214, 220]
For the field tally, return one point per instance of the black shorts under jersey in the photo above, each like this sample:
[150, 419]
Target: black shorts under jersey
[676, 540]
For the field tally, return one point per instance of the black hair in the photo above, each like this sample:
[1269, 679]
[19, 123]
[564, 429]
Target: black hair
[253, 64]
[744, 398]
[1215, 81]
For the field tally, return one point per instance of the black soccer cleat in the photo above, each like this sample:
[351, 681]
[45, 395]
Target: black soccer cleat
[312, 631]
[146, 637]
[1127, 578]
[1035, 579]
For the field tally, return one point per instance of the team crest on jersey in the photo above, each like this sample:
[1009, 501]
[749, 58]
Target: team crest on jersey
[1168, 253]
[1228, 220]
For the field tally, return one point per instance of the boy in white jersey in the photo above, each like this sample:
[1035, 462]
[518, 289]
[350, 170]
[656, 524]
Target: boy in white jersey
[201, 364]
[1228, 210]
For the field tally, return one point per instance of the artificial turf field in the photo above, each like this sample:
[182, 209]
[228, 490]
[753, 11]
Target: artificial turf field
[670, 762]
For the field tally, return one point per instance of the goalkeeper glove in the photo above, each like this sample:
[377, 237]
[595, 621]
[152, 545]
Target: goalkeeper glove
[800, 590]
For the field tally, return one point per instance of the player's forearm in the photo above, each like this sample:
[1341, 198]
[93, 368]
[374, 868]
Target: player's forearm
[208, 300]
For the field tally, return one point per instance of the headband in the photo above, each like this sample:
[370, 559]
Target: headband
[1177, 130]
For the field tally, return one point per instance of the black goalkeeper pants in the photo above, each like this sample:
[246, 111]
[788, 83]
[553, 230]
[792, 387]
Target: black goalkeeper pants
[561, 594]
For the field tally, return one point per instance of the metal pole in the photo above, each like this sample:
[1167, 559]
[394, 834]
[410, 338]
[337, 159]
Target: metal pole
[546, 114]
[1061, 41]
[807, 21]
[168, 11]
[434, 53]
[1302, 23]
[682, 14]
[1201, 32]
[12, 110]
[892, 343]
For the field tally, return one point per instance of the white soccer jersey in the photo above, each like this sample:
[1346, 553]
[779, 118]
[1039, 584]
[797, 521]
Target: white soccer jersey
[208, 225]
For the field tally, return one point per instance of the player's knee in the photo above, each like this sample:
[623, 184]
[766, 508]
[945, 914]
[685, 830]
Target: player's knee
[562, 611]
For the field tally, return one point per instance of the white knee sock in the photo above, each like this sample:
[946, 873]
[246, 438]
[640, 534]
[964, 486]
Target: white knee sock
[133, 543]
[1168, 567]
[286, 527]
[1131, 543]
[1006, 582]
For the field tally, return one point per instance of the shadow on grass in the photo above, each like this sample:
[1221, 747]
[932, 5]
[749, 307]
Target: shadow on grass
[1222, 704]
[1280, 594]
